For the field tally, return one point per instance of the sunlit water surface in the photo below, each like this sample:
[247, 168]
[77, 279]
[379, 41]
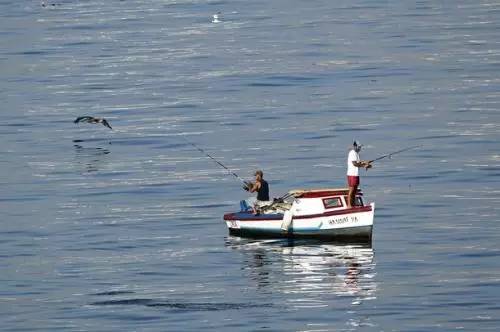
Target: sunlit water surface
[122, 230]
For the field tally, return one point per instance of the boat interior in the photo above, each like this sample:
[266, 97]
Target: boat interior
[333, 198]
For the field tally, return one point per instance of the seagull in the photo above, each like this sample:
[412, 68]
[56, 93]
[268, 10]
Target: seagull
[215, 18]
[91, 119]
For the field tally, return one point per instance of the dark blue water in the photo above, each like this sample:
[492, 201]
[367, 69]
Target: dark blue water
[122, 230]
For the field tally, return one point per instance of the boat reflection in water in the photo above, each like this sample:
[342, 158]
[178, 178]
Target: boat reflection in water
[314, 271]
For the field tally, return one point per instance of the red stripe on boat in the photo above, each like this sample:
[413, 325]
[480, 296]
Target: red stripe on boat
[326, 193]
[251, 217]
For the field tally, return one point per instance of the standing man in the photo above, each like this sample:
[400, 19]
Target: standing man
[353, 165]
[261, 187]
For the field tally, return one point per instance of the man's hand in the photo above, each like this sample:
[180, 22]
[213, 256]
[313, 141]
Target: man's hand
[248, 185]
[367, 165]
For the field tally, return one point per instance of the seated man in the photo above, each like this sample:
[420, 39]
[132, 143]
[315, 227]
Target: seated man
[262, 188]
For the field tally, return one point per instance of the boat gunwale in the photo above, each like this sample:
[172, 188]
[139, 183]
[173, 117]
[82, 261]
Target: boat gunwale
[319, 193]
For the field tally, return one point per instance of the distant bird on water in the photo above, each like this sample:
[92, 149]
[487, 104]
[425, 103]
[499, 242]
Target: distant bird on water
[215, 18]
[91, 119]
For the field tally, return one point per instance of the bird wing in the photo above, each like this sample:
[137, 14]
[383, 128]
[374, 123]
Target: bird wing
[82, 118]
[104, 122]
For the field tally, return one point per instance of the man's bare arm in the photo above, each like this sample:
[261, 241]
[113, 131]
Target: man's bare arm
[255, 187]
[362, 163]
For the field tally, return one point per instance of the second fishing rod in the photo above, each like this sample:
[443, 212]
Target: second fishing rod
[367, 163]
[389, 155]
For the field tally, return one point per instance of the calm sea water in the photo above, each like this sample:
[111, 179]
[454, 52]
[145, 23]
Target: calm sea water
[122, 230]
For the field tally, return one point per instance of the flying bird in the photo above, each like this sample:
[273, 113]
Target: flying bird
[91, 119]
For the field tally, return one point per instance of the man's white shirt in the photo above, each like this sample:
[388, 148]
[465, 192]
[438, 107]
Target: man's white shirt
[351, 169]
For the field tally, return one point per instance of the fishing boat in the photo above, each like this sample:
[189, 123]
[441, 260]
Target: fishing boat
[308, 213]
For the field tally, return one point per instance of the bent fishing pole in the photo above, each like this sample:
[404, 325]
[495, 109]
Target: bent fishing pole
[389, 155]
[218, 162]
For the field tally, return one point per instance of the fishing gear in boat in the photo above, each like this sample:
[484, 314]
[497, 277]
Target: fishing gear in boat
[389, 155]
[246, 183]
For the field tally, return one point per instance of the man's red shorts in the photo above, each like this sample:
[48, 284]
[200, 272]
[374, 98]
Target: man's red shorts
[353, 181]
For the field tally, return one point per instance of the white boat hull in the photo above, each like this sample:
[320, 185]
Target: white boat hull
[346, 224]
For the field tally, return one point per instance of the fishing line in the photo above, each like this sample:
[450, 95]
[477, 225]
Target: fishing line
[215, 160]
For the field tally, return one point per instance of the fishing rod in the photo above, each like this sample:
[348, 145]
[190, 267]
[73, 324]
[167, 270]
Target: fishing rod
[393, 153]
[218, 162]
